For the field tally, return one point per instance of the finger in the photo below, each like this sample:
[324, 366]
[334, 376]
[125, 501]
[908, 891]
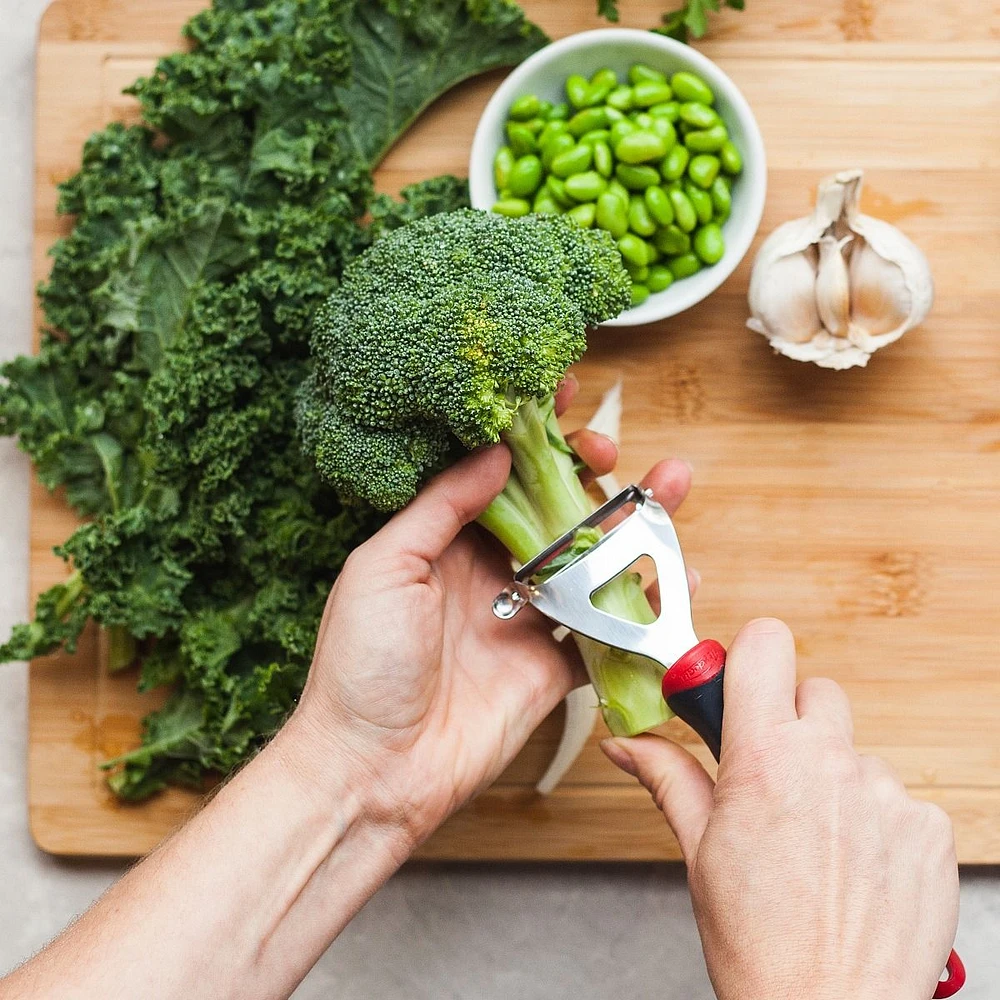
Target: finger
[565, 393]
[825, 703]
[670, 482]
[760, 680]
[680, 786]
[653, 590]
[451, 500]
[597, 451]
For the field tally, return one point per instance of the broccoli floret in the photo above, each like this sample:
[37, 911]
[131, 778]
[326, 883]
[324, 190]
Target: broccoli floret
[454, 332]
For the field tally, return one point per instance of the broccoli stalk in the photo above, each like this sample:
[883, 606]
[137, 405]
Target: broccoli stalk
[454, 332]
[544, 498]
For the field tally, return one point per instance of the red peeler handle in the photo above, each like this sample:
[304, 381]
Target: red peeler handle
[692, 688]
[955, 978]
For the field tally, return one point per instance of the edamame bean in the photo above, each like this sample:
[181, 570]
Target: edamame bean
[639, 294]
[640, 147]
[707, 140]
[559, 112]
[613, 114]
[672, 241]
[577, 89]
[544, 204]
[582, 215]
[558, 191]
[551, 130]
[545, 109]
[729, 155]
[675, 163]
[701, 202]
[521, 138]
[620, 129]
[670, 110]
[621, 98]
[586, 120]
[709, 244]
[573, 161]
[535, 126]
[659, 205]
[636, 178]
[703, 169]
[639, 219]
[612, 214]
[722, 199]
[503, 164]
[684, 266]
[526, 176]
[698, 115]
[641, 119]
[512, 207]
[689, 87]
[640, 71]
[601, 85]
[684, 214]
[595, 135]
[634, 249]
[664, 128]
[646, 93]
[525, 108]
[588, 186]
[619, 190]
[604, 163]
[635, 272]
[659, 278]
[557, 144]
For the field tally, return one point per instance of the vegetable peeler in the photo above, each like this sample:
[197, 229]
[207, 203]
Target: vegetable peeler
[692, 684]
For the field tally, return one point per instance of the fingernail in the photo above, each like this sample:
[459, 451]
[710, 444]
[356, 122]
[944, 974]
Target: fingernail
[570, 379]
[619, 756]
[689, 465]
[695, 576]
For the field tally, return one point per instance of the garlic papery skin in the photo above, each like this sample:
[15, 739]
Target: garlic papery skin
[835, 286]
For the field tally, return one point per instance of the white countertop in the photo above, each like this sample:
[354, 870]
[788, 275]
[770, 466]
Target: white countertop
[484, 932]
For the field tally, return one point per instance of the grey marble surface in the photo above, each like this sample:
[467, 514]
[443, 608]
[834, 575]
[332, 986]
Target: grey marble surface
[470, 932]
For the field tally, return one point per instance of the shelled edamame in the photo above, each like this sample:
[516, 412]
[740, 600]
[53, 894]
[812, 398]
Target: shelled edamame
[646, 158]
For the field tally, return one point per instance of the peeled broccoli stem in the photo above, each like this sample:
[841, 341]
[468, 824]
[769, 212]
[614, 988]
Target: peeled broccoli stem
[542, 500]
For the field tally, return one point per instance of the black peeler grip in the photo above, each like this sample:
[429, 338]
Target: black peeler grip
[692, 688]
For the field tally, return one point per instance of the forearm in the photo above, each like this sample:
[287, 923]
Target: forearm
[243, 900]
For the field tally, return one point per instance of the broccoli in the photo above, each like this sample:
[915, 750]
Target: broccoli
[454, 332]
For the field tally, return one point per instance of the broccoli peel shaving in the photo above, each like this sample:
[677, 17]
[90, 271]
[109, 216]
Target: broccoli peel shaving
[454, 332]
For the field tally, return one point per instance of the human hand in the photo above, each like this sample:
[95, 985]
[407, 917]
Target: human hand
[414, 678]
[813, 873]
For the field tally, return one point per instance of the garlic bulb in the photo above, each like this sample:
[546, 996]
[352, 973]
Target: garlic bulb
[835, 286]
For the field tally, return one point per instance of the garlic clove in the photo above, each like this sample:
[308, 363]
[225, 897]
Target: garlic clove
[787, 301]
[881, 301]
[832, 288]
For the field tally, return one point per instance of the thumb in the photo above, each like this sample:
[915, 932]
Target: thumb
[680, 786]
[427, 525]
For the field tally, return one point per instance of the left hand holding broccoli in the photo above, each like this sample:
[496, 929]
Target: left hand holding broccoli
[413, 675]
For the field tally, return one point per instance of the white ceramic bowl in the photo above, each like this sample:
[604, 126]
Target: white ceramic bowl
[545, 74]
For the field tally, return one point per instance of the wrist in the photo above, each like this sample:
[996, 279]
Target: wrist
[335, 769]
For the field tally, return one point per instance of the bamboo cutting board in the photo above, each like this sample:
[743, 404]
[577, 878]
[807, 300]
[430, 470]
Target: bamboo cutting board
[861, 506]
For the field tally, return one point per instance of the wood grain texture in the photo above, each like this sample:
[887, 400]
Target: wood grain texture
[861, 506]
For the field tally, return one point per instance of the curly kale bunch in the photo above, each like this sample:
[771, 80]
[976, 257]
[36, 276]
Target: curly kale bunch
[176, 333]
